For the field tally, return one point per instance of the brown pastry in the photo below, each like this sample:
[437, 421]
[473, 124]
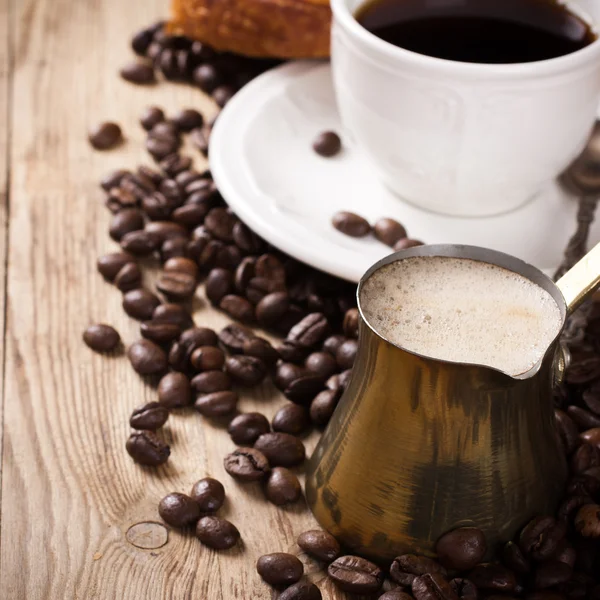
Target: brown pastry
[259, 28]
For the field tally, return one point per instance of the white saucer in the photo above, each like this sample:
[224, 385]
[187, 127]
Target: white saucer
[262, 160]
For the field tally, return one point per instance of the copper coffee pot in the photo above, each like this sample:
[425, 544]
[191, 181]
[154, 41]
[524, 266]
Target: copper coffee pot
[419, 446]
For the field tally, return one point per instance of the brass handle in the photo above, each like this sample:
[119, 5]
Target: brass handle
[577, 284]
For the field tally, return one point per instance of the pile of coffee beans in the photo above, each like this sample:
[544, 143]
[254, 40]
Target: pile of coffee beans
[175, 216]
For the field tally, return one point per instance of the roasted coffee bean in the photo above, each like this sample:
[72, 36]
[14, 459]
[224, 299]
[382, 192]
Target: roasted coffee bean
[138, 184]
[161, 147]
[209, 494]
[157, 206]
[514, 559]
[302, 590]
[406, 568]
[173, 165]
[281, 449]
[272, 307]
[207, 358]
[161, 231]
[396, 594]
[245, 239]
[582, 371]
[199, 140]
[147, 358]
[209, 382]
[202, 189]
[105, 136]
[432, 586]
[109, 265]
[332, 343]
[541, 537]
[356, 575]
[567, 555]
[141, 41]
[309, 331]
[246, 428]
[140, 243]
[219, 222]
[587, 520]
[151, 416]
[178, 510]
[223, 94]
[217, 533]
[185, 178]
[113, 179]
[586, 456]
[174, 390]
[190, 215]
[286, 373]
[581, 485]
[233, 337]
[350, 325]
[280, 569]
[219, 284]
[238, 308]
[247, 464]
[146, 448]
[323, 405]
[129, 219]
[129, 277]
[206, 77]
[584, 419]
[138, 73]
[259, 287]
[346, 354]
[101, 338]
[291, 418]
[262, 349]
[405, 243]
[464, 589]
[461, 549]
[228, 257]
[181, 265]
[569, 434]
[282, 487]
[176, 285]
[174, 248]
[304, 389]
[487, 576]
[245, 370]
[319, 544]
[216, 404]
[591, 398]
[270, 267]
[592, 437]
[321, 364]
[351, 224]
[551, 573]
[389, 231]
[173, 314]
[151, 117]
[150, 177]
[170, 188]
[327, 144]
[140, 304]
[120, 199]
[187, 119]
[198, 336]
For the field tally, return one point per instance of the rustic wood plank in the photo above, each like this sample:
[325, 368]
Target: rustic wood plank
[70, 493]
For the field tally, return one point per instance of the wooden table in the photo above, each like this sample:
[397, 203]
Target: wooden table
[70, 493]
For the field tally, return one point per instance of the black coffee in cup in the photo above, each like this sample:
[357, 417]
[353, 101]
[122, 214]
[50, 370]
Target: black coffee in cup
[478, 31]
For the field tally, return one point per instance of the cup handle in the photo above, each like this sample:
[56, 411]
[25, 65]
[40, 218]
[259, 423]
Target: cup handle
[580, 282]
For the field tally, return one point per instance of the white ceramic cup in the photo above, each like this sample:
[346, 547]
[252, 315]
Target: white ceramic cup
[461, 138]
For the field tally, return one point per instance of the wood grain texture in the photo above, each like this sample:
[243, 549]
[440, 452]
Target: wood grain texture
[77, 514]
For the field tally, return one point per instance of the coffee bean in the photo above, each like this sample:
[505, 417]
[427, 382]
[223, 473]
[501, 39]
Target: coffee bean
[291, 418]
[174, 314]
[113, 179]
[146, 448]
[270, 267]
[355, 575]
[584, 419]
[591, 399]
[281, 449]
[282, 487]
[172, 165]
[176, 286]
[514, 559]
[209, 494]
[246, 464]
[219, 284]
[540, 537]
[302, 590]
[280, 569]
[351, 224]
[321, 364]
[181, 264]
[209, 382]
[138, 73]
[160, 147]
[219, 223]
[150, 177]
[346, 354]
[151, 117]
[262, 349]
[319, 544]
[222, 95]
[129, 219]
[151, 416]
[323, 405]
[199, 140]
[120, 199]
[129, 277]
[592, 437]
[157, 206]
[585, 457]
[567, 555]
[207, 358]
[216, 404]
[161, 231]
[272, 307]
[101, 338]
[105, 136]
[569, 434]
[286, 373]
[234, 336]
[238, 308]
[178, 510]
[147, 358]
[464, 589]
[141, 40]
[327, 144]
[461, 549]
[187, 119]
[405, 243]
[304, 389]
[246, 240]
[396, 594]
[174, 390]
[140, 304]
[350, 325]
[259, 287]
[432, 587]
[332, 343]
[551, 573]
[310, 330]
[110, 264]
[488, 576]
[246, 428]
[584, 370]
[389, 231]
[217, 533]
[587, 521]
[244, 273]
[140, 243]
[245, 370]
[406, 568]
[196, 337]
[190, 215]
[206, 77]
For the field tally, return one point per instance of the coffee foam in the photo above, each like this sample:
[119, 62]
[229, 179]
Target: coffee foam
[462, 310]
